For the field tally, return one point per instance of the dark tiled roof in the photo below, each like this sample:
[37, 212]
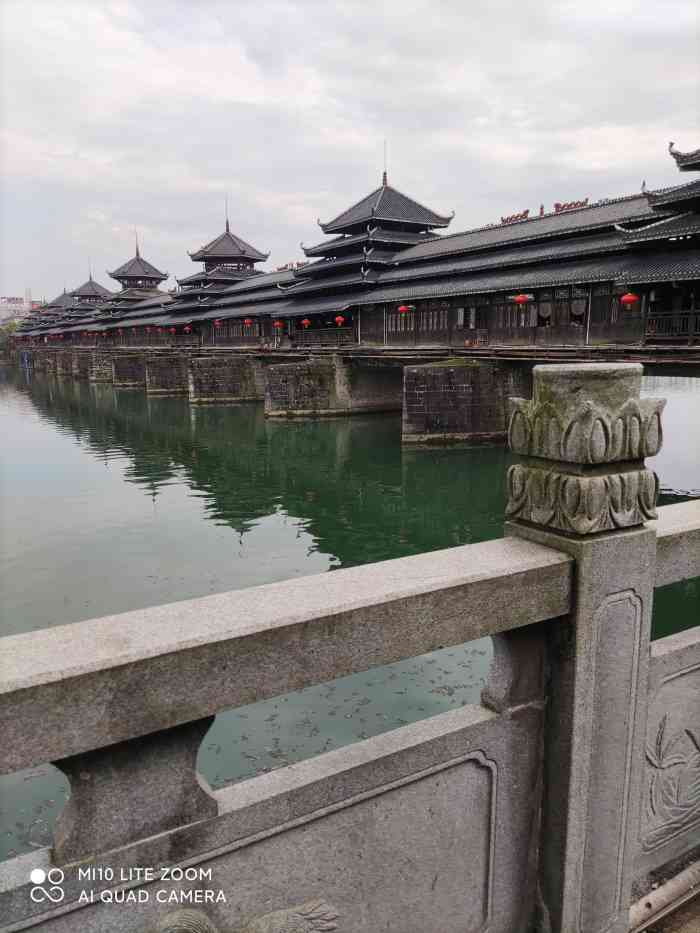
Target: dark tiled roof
[64, 300]
[681, 225]
[387, 204]
[377, 235]
[552, 250]
[322, 285]
[686, 161]
[678, 265]
[600, 215]
[138, 268]
[322, 266]
[91, 289]
[265, 280]
[228, 246]
[675, 195]
[672, 265]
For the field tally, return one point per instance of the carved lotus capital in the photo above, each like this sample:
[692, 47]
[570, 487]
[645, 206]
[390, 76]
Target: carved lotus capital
[579, 503]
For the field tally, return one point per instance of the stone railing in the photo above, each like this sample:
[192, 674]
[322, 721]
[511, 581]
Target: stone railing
[566, 801]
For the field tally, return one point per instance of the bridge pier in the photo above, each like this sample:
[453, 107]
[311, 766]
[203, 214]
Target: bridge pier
[226, 378]
[129, 370]
[329, 386]
[460, 400]
[101, 366]
[64, 362]
[80, 364]
[166, 374]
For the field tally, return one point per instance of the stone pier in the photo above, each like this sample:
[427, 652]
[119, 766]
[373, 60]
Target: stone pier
[460, 400]
[226, 378]
[129, 370]
[101, 366]
[166, 374]
[64, 362]
[328, 386]
[80, 364]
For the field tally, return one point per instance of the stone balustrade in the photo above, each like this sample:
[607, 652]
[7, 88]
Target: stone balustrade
[556, 804]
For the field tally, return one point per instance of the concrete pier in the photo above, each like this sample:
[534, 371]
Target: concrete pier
[460, 400]
[226, 378]
[329, 386]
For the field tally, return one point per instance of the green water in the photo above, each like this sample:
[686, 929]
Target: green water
[113, 501]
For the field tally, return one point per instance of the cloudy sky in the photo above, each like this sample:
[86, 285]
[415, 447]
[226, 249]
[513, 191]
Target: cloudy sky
[123, 115]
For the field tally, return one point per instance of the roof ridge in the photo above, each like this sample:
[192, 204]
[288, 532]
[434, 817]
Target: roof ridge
[601, 203]
[423, 206]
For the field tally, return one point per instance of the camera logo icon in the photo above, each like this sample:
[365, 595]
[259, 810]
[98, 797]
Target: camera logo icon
[47, 885]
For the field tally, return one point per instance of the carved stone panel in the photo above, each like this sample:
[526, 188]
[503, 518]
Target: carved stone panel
[671, 810]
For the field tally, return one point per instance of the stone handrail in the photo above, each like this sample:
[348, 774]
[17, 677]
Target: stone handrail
[82, 686]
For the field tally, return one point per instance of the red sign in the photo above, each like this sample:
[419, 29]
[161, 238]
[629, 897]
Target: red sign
[560, 206]
[513, 218]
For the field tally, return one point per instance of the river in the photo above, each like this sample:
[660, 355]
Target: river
[113, 501]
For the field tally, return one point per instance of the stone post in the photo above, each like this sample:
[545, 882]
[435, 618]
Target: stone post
[582, 487]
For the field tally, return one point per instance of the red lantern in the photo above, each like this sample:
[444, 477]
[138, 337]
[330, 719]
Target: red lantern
[339, 320]
[173, 330]
[248, 321]
[405, 309]
[218, 323]
[187, 329]
[305, 323]
[278, 325]
[629, 299]
[149, 329]
[119, 330]
[521, 299]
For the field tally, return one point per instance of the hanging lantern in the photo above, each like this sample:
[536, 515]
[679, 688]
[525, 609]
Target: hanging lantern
[149, 329]
[119, 330]
[521, 299]
[161, 330]
[629, 299]
[218, 323]
[339, 320]
[187, 329]
[247, 321]
[278, 325]
[305, 323]
[173, 330]
[406, 309]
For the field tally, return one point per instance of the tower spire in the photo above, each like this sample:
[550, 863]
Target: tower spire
[227, 226]
[136, 237]
[89, 269]
[384, 173]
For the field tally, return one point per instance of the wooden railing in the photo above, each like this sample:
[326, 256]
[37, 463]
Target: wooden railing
[673, 326]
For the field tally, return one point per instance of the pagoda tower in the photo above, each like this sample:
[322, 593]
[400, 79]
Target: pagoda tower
[92, 292]
[369, 234]
[226, 259]
[138, 278]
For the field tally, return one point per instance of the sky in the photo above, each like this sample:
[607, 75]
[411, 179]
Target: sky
[130, 116]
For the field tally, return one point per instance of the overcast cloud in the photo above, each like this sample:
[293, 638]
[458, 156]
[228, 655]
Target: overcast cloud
[123, 115]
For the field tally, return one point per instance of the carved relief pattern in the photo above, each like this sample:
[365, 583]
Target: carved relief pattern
[591, 434]
[673, 799]
[581, 504]
[306, 918]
